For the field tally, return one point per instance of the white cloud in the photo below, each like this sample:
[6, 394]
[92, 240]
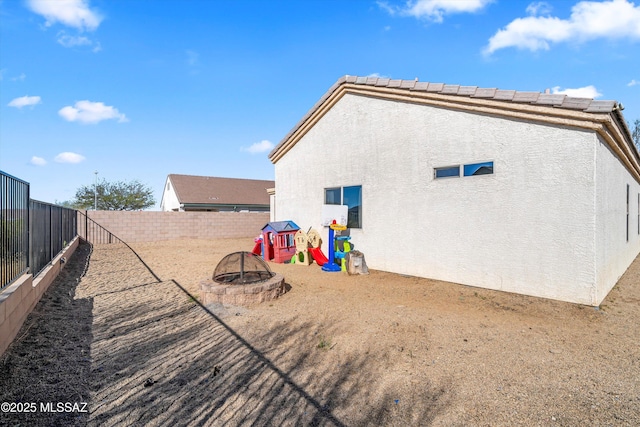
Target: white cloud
[38, 161]
[539, 8]
[378, 75]
[72, 13]
[259, 147]
[589, 20]
[91, 112]
[581, 92]
[434, 10]
[3, 71]
[67, 40]
[71, 41]
[68, 157]
[25, 101]
[391, 10]
[633, 82]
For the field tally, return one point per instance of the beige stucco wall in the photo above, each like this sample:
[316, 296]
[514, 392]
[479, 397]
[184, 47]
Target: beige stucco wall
[529, 228]
[148, 226]
[614, 252]
[272, 203]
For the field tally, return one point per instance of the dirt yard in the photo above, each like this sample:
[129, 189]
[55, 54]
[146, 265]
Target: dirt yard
[382, 349]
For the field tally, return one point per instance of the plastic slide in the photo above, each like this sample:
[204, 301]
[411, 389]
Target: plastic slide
[257, 249]
[318, 256]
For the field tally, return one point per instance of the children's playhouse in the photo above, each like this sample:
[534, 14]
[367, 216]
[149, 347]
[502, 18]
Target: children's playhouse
[278, 241]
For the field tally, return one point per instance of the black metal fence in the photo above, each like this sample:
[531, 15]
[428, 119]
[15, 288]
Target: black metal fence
[93, 232]
[14, 228]
[32, 232]
[52, 227]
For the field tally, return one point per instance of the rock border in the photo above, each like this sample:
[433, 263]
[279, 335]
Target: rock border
[253, 293]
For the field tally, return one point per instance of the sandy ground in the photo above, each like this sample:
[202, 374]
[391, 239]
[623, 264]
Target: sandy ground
[382, 349]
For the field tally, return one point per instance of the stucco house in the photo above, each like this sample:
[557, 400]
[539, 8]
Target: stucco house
[208, 193]
[525, 192]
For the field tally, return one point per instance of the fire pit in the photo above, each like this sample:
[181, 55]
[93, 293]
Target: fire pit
[242, 278]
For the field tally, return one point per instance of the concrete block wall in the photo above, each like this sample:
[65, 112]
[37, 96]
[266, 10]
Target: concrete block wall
[19, 298]
[149, 226]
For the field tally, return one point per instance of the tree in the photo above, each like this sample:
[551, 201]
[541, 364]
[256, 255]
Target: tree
[635, 133]
[66, 204]
[114, 196]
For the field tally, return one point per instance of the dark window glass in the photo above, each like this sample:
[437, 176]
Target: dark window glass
[353, 199]
[627, 212]
[485, 168]
[332, 196]
[447, 172]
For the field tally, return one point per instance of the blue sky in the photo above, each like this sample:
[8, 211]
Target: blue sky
[144, 88]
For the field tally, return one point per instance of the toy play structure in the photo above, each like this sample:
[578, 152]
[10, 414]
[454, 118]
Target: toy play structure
[278, 242]
[314, 247]
[341, 252]
[331, 266]
[283, 242]
[302, 256]
[257, 249]
[308, 248]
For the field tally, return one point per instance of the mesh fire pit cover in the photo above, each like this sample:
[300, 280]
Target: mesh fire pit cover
[241, 268]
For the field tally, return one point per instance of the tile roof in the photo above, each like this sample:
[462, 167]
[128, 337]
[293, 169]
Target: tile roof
[557, 101]
[210, 190]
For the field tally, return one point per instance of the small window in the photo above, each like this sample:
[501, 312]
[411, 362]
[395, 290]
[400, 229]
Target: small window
[485, 168]
[332, 196]
[627, 212]
[446, 172]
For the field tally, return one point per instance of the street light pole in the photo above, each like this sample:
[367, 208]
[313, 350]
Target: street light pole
[95, 193]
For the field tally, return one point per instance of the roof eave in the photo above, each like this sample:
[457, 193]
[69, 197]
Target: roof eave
[597, 116]
[223, 205]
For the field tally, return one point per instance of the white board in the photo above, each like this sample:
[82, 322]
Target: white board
[337, 212]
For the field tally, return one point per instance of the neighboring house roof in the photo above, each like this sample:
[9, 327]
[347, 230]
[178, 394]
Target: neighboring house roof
[603, 117]
[208, 190]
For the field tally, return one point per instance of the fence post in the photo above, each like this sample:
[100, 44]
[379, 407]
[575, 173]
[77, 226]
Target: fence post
[50, 255]
[29, 227]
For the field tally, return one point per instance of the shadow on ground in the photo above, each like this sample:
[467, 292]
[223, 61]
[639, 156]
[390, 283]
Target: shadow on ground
[161, 358]
[142, 351]
[48, 362]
